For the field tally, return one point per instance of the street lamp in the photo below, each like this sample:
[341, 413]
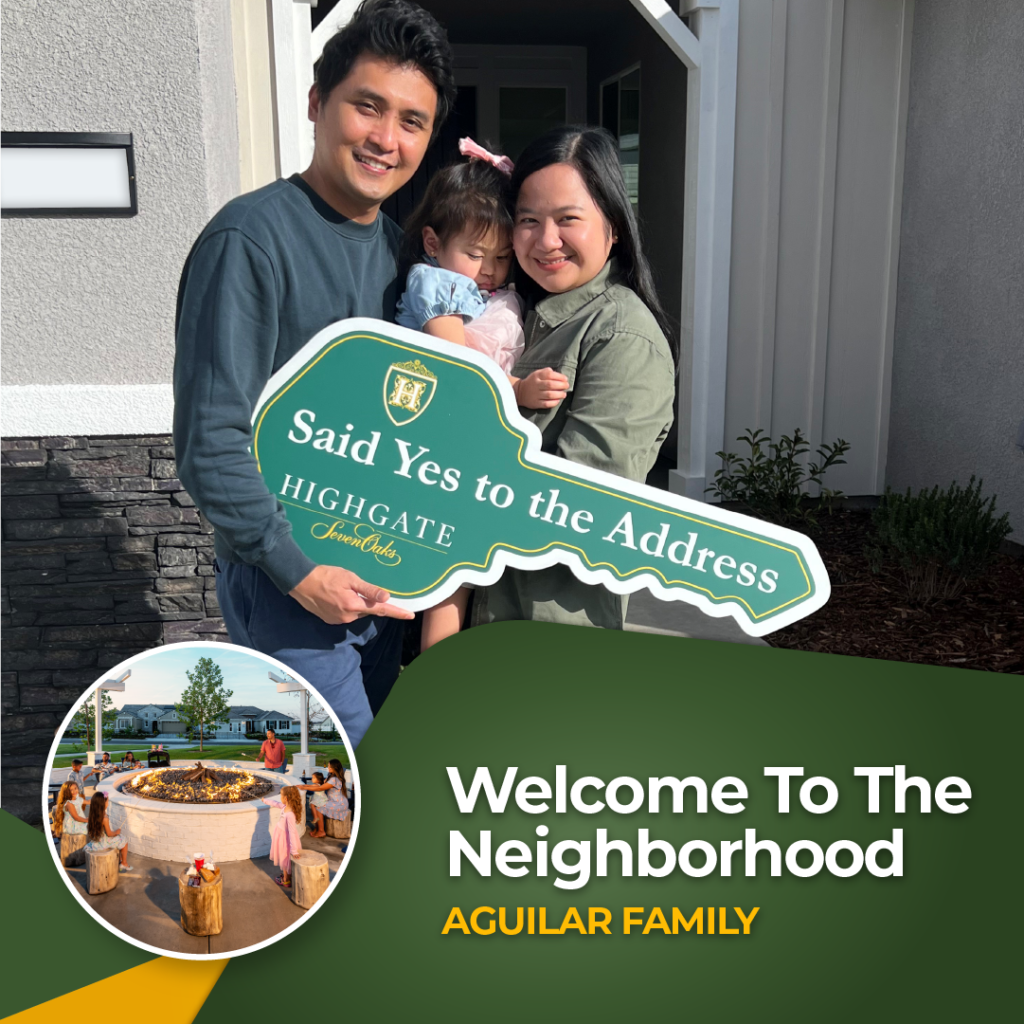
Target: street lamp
[117, 686]
[304, 760]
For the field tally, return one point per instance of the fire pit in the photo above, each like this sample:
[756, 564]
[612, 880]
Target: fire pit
[169, 813]
[198, 785]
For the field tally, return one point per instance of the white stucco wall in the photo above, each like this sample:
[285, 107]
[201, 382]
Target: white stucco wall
[958, 367]
[90, 302]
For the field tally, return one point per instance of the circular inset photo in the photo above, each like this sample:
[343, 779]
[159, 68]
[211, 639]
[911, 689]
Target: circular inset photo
[203, 800]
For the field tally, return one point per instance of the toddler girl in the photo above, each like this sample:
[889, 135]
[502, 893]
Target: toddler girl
[284, 842]
[101, 835]
[460, 237]
[316, 803]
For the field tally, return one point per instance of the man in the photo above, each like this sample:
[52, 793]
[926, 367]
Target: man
[104, 767]
[270, 270]
[272, 752]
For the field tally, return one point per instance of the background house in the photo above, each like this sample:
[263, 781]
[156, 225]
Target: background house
[148, 718]
[831, 193]
[245, 718]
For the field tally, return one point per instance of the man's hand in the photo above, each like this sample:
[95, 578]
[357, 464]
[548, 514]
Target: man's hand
[542, 389]
[338, 596]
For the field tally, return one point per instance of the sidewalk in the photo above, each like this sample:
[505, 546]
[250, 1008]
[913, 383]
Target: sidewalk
[144, 904]
[646, 614]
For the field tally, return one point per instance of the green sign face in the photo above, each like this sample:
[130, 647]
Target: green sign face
[404, 459]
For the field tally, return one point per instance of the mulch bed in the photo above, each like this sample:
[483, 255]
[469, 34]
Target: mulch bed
[870, 616]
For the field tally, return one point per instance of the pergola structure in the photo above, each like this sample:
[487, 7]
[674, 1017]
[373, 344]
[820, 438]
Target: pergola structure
[707, 46]
[117, 686]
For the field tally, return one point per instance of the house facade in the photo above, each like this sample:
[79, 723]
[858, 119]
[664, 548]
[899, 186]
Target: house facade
[829, 193]
[147, 718]
[162, 720]
[244, 719]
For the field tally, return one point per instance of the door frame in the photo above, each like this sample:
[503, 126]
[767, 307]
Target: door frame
[489, 67]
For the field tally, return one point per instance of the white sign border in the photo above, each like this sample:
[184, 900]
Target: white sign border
[532, 454]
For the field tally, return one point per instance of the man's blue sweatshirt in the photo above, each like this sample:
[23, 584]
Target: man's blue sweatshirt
[270, 270]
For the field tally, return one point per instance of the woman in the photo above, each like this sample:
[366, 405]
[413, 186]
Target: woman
[595, 318]
[128, 762]
[75, 820]
[101, 835]
[337, 796]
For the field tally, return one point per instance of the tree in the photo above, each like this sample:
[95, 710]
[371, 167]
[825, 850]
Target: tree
[85, 718]
[205, 701]
[316, 714]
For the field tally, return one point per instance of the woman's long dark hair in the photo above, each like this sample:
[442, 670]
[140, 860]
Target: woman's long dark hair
[593, 154]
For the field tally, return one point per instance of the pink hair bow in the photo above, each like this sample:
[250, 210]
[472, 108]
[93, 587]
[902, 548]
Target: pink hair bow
[467, 147]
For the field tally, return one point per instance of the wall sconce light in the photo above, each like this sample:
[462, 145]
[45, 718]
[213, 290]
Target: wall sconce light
[67, 174]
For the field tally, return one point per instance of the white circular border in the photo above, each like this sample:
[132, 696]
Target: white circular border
[205, 645]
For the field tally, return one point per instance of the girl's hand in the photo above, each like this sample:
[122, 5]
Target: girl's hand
[542, 389]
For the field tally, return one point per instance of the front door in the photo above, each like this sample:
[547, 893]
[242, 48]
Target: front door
[508, 95]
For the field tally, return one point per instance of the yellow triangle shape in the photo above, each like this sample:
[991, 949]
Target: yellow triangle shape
[186, 983]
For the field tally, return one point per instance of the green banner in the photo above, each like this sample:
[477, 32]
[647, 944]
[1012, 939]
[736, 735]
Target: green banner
[404, 459]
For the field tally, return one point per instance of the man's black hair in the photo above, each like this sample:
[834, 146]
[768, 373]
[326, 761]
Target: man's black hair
[396, 31]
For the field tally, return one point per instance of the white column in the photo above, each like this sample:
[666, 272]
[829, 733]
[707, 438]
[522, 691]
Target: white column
[337, 18]
[99, 728]
[707, 232]
[291, 75]
[304, 711]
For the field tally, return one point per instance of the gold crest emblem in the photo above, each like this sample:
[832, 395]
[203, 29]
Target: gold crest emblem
[408, 389]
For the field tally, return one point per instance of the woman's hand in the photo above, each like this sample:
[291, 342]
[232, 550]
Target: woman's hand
[542, 389]
[337, 596]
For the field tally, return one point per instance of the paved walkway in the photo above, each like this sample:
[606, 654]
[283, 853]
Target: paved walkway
[144, 905]
[646, 614]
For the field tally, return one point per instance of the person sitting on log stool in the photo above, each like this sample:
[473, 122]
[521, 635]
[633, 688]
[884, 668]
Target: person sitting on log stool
[101, 835]
[284, 842]
[57, 814]
[336, 805]
[75, 820]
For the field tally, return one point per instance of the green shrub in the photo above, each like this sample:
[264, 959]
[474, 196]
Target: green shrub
[771, 481]
[939, 539]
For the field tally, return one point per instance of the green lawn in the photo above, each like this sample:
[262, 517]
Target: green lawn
[243, 752]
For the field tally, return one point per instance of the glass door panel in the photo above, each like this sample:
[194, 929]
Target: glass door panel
[526, 112]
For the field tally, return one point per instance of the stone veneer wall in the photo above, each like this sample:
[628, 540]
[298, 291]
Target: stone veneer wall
[104, 555]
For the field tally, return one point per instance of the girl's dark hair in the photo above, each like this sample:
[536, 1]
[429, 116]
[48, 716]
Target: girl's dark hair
[97, 812]
[467, 194]
[396, 31]
[320, 776]
[593, 154]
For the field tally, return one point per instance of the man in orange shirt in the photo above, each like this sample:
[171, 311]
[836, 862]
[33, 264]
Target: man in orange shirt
[273, 753]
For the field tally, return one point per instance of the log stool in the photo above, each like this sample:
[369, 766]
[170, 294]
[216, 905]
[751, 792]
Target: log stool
[338, 829]
[310, 875]
[72, 850]
[101, 870]
[201, 905]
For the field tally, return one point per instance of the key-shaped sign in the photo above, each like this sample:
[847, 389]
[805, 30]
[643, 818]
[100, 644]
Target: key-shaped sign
[404, 459]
